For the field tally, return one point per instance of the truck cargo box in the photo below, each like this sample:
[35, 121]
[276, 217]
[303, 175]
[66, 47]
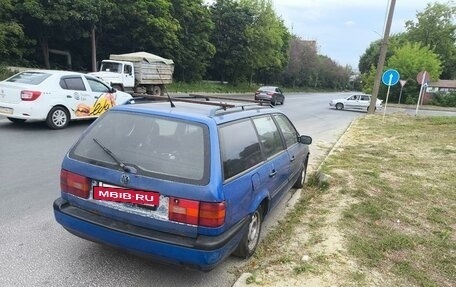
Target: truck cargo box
[149, 68]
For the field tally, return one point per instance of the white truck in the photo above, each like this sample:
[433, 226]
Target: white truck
[137, 73]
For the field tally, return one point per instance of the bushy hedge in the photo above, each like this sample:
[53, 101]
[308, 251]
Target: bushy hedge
[5, 73]
[444, 99]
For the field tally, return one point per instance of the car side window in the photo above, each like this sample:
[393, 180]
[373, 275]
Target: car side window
[288, 130]
[240, 148]
[97, 86]
[72, 83]
[269, 135]
[365, 98]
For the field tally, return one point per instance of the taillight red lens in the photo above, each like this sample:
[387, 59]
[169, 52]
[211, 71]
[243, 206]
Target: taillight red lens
[74, 184]
[206, 214]
[212, 214]
[30, 95]
[183, 210]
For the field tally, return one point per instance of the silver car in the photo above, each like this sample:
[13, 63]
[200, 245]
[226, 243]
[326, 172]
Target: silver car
[354, 101]
[270, 94]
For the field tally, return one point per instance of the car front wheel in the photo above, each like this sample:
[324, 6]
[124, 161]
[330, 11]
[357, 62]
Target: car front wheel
[251, 237]
[339, 106]
[58, 118]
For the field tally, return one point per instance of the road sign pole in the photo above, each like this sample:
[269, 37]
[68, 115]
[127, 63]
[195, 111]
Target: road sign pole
[400, 95]
[386, 102]
[423, 79]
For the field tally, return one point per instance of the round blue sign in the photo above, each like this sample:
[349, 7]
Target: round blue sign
[390, 77]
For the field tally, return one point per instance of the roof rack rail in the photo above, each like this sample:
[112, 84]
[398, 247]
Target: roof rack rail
[220, 106]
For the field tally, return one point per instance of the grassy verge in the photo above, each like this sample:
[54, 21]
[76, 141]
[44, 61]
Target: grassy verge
[388, 217]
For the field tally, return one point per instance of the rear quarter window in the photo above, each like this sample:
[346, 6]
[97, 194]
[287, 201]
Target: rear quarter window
[240, 147]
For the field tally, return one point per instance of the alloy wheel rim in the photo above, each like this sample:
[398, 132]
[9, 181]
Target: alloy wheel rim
[59, 118]
[254, 231]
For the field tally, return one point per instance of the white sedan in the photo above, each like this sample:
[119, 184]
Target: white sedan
[56, 97]
[355, 101]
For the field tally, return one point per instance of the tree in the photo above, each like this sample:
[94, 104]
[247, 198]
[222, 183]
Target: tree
[412, 58]
[435, 27]
[139, 25]
[230, 40]
[372, 53]
[302, 68]
[11, 33]
[54, 24]
[194, 51]
[266, 36]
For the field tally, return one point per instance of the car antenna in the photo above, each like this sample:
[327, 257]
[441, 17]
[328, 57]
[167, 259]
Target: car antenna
[167, 94]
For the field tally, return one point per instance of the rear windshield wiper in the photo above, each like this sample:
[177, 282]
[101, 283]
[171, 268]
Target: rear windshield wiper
[126, 168]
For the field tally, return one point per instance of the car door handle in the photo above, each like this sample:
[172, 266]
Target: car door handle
[292, 158]
[96, 97]
[273, 173]
[69, 96]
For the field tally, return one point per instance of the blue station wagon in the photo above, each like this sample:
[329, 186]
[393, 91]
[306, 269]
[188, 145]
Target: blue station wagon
[180, 182]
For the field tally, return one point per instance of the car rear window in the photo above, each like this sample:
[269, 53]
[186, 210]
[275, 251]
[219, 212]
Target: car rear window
[158, 147]
[32, 78]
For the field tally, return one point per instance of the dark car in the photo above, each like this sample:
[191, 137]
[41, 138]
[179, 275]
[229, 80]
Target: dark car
[188, 183]
[270, 94]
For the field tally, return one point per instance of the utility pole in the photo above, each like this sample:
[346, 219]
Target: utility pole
[381, 58]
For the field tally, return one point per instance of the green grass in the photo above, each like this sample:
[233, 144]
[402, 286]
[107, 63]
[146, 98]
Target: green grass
[399, 175]
[403, 174]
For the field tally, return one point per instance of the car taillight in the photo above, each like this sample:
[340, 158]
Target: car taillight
[270, 93]
[212, 214]
[74, 184]
[30, 95]
[206, 214]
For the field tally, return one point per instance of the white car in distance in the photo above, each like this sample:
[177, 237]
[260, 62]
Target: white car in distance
[354, 101]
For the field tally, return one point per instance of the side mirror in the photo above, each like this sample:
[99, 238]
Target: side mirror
[305, 139]
[112, 90]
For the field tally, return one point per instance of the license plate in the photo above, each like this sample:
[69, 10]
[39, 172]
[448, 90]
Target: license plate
[118, 194]
[5, 110]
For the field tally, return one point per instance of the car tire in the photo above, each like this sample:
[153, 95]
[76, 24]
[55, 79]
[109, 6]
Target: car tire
[302, 177]
[157, 90]
[251, 237]
[273, 101]
[283, 101]
[339, 106]
[16, 121]
[58, 118]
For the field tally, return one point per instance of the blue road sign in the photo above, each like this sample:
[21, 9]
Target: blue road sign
[390, 77]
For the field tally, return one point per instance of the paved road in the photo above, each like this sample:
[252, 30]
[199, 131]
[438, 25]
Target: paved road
[36, 251]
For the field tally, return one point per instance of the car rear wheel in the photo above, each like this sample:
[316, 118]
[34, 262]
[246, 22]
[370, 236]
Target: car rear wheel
[251, 237]
[283, 101]
[58, 118]
[339, 106]
[273, 101]
[16, 121]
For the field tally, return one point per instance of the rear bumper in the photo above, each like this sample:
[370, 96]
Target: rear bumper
[203, 252]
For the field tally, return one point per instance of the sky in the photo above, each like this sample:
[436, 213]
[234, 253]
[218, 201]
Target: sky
[344, 29]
